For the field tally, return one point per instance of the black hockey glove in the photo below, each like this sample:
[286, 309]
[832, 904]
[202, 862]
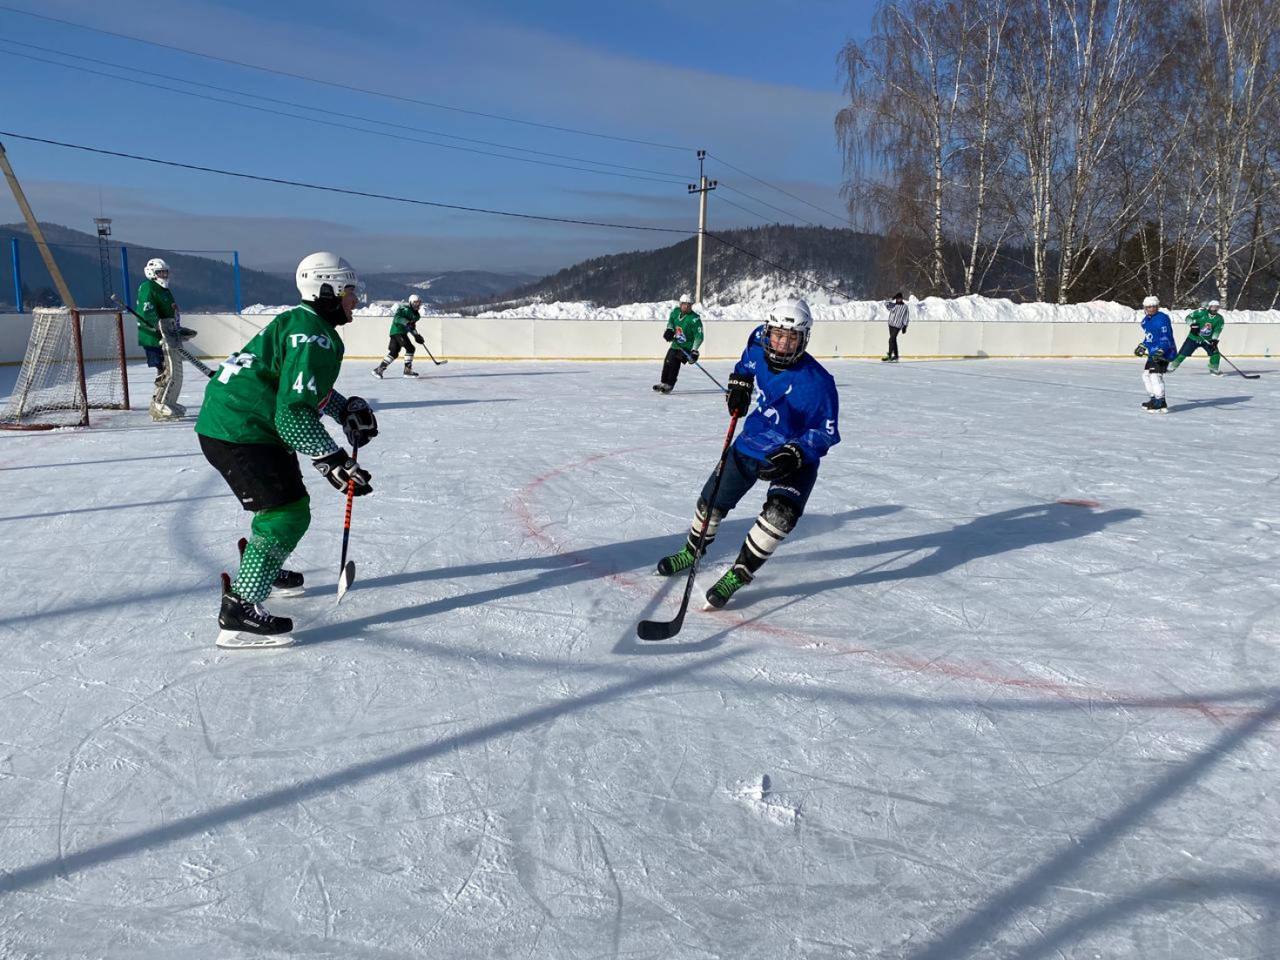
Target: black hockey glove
[358, 422]
[691, 356]
[738, 396]
[1140, 350]
[339, 469]
[1158, 355]
[902, 332]
[418, 337]
[783, 462]
[1212, 345]
[668, 334]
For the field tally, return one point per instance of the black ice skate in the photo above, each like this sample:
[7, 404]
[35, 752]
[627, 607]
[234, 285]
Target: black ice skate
[663, 387]
[288, 583]
[734, 579]
[682, 559]
[1160, 406]
[1149, 405]
[377, 371]
[243, 625]
[410, 372]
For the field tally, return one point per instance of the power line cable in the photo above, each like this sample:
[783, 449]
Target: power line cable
[843, 220]
[343, 86]
[759, 216]
[346, 191]
[793, 216]
[676, 177]
[371, 132]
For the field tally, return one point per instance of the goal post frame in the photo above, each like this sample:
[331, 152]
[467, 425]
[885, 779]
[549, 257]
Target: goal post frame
[78, 399]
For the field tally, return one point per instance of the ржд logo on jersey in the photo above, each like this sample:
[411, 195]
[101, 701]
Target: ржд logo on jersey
[319, 339]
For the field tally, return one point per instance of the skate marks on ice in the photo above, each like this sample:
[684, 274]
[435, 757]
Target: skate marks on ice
[35, 874]
[973, 936]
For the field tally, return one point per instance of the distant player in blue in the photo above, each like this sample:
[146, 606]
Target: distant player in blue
[794, 424]
[1159, 347]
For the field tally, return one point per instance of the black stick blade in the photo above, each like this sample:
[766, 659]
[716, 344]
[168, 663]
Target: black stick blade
[659, 629]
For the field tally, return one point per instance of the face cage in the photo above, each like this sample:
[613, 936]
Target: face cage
[338, 284]
[785, 360]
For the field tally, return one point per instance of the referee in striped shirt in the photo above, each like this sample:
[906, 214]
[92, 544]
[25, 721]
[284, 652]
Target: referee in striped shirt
[898, 321]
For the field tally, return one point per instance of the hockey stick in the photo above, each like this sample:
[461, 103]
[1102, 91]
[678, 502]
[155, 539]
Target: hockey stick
[347, 568]
[703, 369]
[182, 351]
[1247, 376]
[438, 363]
[666, 629]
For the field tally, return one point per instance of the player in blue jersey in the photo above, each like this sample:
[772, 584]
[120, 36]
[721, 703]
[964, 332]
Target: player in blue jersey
[1159, 347]
[793, 425]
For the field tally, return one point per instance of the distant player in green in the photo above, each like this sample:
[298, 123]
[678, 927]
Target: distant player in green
[159, 335]
[262, 409]
[684, 333]
[1206, 330]
[403, 326]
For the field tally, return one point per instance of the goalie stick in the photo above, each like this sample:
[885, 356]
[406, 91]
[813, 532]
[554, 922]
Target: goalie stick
[181, 350]
[666, 629]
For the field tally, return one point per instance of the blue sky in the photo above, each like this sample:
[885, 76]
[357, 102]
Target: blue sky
[753, 82]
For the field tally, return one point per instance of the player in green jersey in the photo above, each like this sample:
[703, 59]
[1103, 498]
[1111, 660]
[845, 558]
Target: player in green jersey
[159, 335]
[1206, 330]
[403, 326]
[684, 333]
[260, 411]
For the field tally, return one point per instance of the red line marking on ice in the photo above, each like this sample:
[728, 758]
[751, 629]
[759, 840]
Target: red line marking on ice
[1079, 503]
[980, 673]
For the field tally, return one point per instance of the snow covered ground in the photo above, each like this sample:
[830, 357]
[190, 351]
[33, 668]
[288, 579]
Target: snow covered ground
[962, 713]
[826, 308]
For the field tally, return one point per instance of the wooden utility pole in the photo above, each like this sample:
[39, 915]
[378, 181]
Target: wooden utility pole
[702, 188]
[36, 233]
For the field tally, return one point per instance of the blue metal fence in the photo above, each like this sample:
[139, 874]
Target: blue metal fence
[126, 282]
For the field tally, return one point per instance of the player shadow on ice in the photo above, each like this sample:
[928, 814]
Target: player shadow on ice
[411, 404]
[550, 571]
[170, 831]
[971, 935]
[88, 463]
[994, 534]
[510, 373]
[1184, 406]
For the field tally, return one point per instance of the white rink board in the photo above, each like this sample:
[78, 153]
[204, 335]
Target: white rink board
[510, 338]
[994, 725]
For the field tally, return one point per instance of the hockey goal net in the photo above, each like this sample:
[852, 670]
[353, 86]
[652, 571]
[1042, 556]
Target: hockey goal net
[74, 363]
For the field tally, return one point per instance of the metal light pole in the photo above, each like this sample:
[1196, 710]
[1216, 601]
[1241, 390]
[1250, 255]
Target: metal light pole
[702, 188]
[104, 256]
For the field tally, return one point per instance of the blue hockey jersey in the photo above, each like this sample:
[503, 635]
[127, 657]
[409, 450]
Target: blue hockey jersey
[1157, 332]
[796, 405]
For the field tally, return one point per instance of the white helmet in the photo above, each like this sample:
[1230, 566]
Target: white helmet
[686, 298]
[1151, 302]
[1213, 304]
[157, 271]
[788, 315]
[414, 300]
[326, 275]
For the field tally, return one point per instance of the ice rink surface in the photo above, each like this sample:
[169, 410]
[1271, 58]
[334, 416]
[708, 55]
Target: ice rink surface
[958, 715]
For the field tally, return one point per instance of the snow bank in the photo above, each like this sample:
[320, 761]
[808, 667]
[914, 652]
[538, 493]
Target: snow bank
[972, 308]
